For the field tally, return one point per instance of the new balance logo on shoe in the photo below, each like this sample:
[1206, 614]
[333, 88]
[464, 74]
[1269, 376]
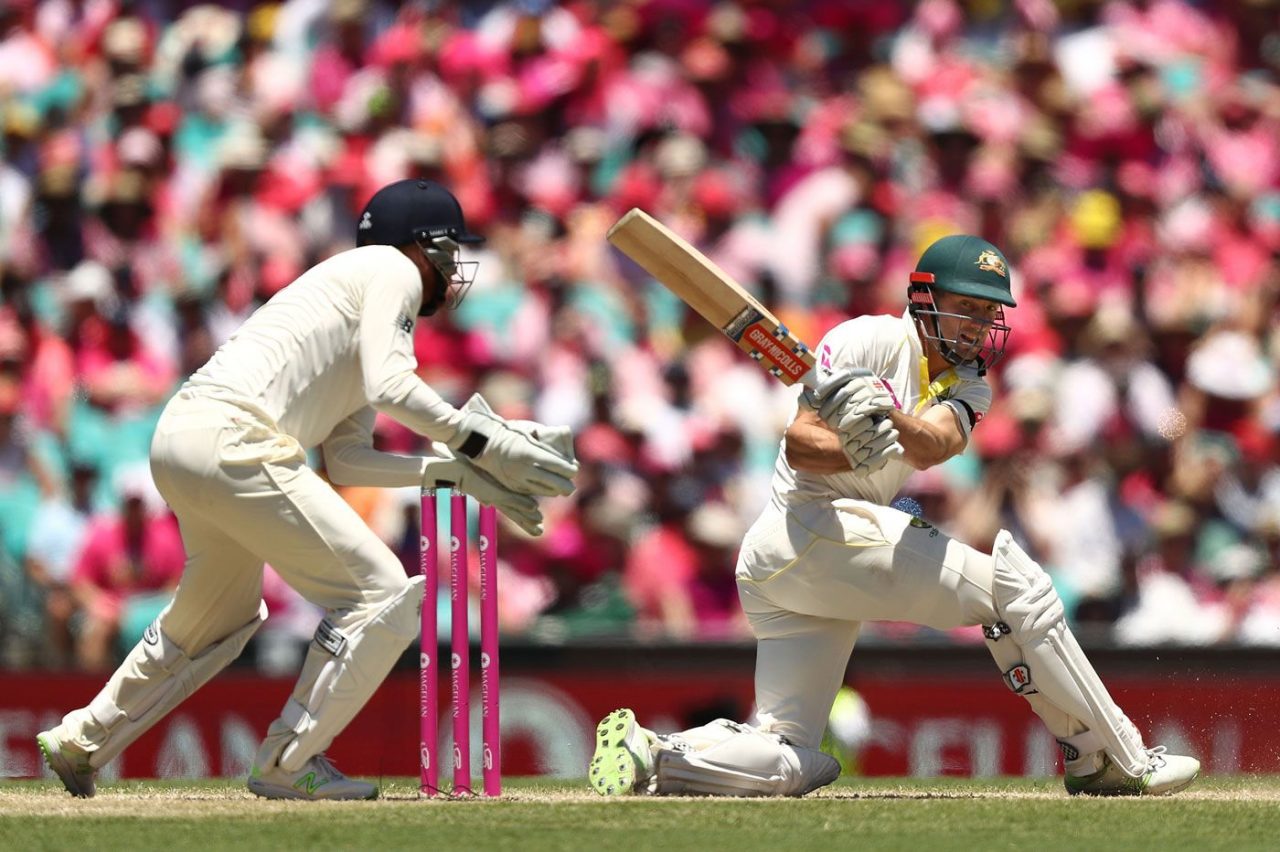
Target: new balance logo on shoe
[309, 783]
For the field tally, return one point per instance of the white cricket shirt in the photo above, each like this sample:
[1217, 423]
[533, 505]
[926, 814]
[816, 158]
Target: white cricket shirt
[890, 347]
[332, 344]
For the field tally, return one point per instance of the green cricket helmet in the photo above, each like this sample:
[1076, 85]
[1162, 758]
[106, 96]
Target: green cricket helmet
[966, 266]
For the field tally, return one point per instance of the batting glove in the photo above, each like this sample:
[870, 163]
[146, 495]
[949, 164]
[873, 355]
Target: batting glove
[851, 400]
[519, 458]
[872, 449]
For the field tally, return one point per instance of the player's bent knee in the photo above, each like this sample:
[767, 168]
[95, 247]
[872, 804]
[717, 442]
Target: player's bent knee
[155, 677]
[1042, 658]
[394, 613]
[350, 655]
[1024, 596]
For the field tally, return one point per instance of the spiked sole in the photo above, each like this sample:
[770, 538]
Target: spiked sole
[613, 769]
[62, 767]
[1133, 787]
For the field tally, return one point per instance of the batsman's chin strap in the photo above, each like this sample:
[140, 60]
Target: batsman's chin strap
[930, 391]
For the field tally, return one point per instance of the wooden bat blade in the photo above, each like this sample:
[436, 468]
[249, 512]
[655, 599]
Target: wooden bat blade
[715, 296]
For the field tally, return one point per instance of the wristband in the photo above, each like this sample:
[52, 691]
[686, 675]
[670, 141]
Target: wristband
[474, 445]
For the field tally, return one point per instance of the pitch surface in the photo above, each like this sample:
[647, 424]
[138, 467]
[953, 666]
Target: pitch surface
[1236, 813]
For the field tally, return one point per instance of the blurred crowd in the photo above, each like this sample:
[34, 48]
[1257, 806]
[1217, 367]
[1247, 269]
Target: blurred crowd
[167, 167]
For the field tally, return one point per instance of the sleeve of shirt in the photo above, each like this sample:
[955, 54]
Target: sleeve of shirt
[350, 458]
[845, 346]
[970, 402]
[391, 385]
[866, 341]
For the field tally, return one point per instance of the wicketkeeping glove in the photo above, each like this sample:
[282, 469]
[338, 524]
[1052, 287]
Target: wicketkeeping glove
[461, 474]
[517, 457]
[872, 449]
[558, 438]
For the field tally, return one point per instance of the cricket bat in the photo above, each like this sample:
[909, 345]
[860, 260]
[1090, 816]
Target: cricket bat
[719, 299]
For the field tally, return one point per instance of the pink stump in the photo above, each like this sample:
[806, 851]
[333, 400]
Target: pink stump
[461, 646]
[491, 726]
[429, 669]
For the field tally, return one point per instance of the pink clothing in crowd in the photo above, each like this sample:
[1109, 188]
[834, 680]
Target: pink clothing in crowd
[111, 566]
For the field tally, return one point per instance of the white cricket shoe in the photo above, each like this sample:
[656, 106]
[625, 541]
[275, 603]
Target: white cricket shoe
[69, 762]
[1166, 773]
[623, 763]
[317, 779]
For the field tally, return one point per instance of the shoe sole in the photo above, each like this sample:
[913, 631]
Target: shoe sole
[62, 767]
[830, 775]
[270, 791]
[613, 769]
[1168, 791]
[1178, 789]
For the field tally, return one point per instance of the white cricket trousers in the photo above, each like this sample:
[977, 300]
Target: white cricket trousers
[809, 576]
[244, 495]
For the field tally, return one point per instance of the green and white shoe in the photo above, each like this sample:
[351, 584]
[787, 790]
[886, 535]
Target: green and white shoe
[318, 779]
[1166, 773]
[623, 762]
[69, 762]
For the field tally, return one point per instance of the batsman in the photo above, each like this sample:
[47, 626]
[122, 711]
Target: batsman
[895, 394]
[311, 368]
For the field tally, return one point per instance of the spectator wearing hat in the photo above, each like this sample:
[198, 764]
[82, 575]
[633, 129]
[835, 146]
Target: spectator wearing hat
[1226, 383]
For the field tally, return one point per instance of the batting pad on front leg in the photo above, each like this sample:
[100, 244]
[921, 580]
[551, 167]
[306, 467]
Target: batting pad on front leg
[1053, 665]
[154, 678]
[351, 654]
[743, 762]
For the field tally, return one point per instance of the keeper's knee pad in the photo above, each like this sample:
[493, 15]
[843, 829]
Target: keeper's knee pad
[349, 657]
[155, 677]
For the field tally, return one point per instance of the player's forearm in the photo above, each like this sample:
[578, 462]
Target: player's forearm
[367, 466]
[813, 448]
[923, 444]
[408, 400]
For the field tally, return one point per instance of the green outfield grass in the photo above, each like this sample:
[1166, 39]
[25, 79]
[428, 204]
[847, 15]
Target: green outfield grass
[938, 814]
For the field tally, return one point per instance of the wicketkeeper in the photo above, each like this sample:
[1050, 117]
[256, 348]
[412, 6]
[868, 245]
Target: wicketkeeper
[897, 394]
[311, 368]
